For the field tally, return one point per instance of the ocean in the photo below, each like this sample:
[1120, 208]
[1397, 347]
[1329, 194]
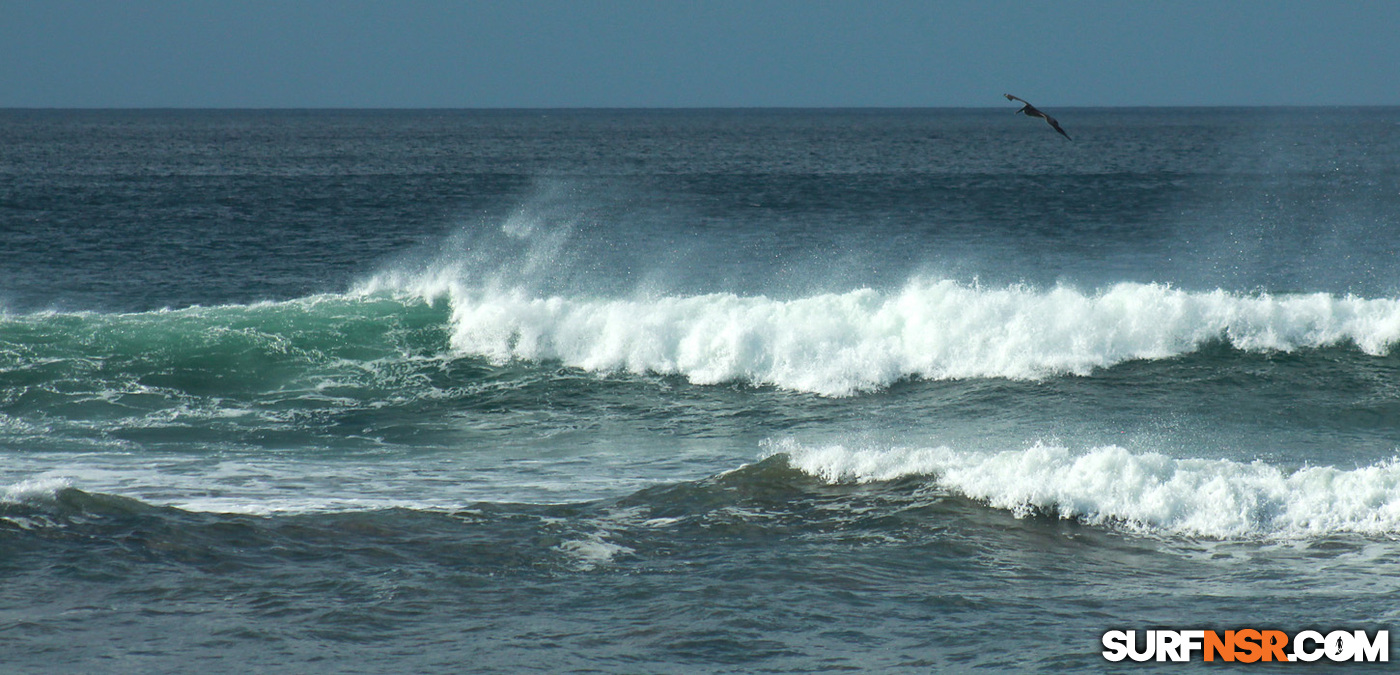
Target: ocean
[681, 391]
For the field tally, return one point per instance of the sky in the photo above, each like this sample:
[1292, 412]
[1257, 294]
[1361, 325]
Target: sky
[692, 53]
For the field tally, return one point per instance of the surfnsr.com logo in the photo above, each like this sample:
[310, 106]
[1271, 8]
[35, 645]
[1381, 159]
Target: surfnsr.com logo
[1247, 645]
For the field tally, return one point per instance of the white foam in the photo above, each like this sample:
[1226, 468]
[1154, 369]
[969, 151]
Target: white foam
[1199, 497]
[35, 489]
[592, 550]
[843, 343]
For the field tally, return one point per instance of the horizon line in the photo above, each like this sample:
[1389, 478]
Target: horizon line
[671, 108]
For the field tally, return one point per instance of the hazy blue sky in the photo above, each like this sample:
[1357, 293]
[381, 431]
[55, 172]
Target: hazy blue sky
[629, 53]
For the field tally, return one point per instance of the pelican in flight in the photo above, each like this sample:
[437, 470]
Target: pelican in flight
[1032, 111]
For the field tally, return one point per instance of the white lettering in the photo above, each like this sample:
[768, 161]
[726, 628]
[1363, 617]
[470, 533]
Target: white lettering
[1338, 645]
[1151, 646]
[1169, 646]
[1115, 644]
[1194, 640]
[1372, 650]
[1301, 654]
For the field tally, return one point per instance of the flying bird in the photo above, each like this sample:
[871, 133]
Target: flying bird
[1032, 111]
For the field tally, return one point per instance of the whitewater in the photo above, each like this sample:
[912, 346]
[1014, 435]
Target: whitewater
[864, 340]
[1147, 492]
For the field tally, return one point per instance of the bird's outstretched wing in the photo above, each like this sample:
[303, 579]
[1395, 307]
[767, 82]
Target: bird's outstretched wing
[1056, 125]
[1036, 112]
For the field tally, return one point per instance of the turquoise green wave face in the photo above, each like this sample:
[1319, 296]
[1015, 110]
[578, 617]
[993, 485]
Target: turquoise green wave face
[205, 369]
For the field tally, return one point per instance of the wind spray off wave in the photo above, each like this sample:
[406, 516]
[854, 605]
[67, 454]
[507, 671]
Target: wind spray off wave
[840, 344]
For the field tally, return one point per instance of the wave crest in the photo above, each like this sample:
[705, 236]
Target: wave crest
[33, 490]
[840, 344]
[1148, 491]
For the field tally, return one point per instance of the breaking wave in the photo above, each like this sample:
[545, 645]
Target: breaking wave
[1148, 491]
[840, 344]
[831, 344]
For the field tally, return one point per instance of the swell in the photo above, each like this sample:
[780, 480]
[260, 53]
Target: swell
[267, 374]
[218, 351]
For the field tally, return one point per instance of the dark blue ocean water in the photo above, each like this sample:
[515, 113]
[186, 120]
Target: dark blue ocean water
[690, 391]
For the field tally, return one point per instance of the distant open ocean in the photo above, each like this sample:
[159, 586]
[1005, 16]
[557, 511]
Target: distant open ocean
[669, 391]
